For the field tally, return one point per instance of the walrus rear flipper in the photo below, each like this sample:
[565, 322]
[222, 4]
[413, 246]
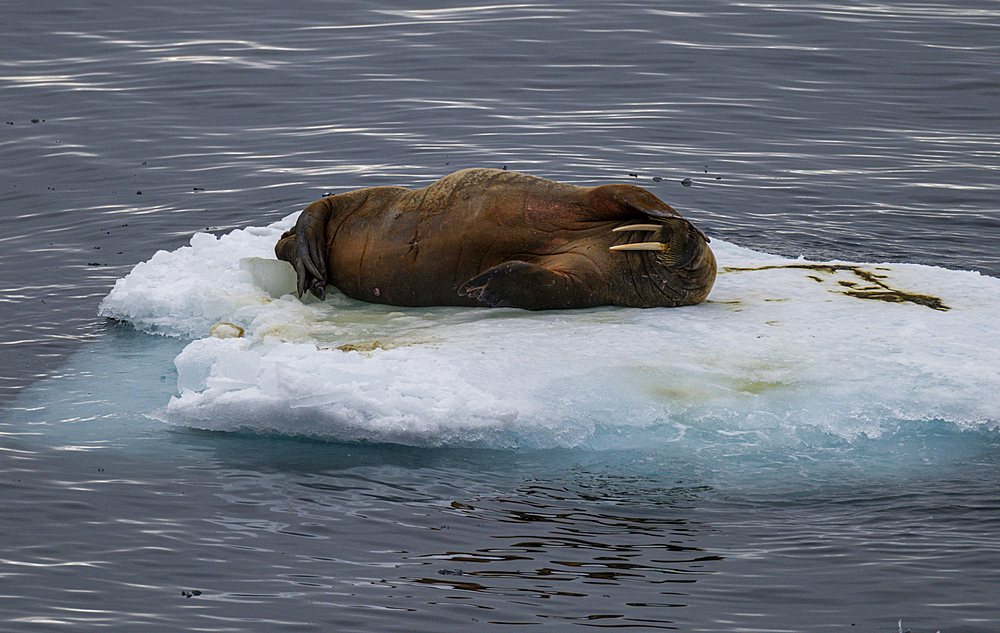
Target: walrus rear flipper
[518, 284]
[304, 247]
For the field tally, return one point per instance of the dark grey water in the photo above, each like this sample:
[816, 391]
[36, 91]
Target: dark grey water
[864, 131]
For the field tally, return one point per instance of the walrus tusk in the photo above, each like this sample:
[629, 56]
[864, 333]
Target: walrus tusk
[657, 227]
[637, 227]
[640, 246]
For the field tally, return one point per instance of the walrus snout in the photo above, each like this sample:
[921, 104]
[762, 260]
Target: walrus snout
[675, 240]
[686, 264]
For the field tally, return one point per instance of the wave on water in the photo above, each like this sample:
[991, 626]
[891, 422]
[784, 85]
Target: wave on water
[784, 352]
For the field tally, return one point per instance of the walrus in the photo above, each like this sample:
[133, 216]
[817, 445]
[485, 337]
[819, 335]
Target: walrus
[497, 238]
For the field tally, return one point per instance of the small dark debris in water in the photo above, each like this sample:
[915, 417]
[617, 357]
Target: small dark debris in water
[197, 188]
[451, 572]
[93, 263]
[505, 167]
[718, 177]
[10, 123]
[37, 120]
[686, 182]
[877, 291]
[138, 193]
[634, 175]
[657, 179]
[190, 594]
[327, 194]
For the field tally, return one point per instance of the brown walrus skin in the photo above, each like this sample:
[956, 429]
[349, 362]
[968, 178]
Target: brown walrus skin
[488, 237]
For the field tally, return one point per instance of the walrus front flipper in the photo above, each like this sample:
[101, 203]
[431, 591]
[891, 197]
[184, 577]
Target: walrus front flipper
[518, 284]
[304, 247]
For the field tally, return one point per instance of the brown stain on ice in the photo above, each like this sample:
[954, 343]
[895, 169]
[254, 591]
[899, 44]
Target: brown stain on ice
[872, 286]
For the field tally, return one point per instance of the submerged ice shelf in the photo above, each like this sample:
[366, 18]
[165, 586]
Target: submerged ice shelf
[781, 348]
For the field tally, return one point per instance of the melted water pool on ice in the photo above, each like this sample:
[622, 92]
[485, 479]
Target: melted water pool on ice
[782, 350]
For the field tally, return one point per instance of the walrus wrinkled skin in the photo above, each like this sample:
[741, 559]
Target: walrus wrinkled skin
[488, 237]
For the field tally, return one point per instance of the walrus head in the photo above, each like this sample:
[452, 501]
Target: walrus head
[681, 265]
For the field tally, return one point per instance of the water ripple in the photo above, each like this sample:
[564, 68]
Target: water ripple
[852, 130]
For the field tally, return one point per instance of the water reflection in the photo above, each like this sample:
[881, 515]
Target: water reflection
[572, 540]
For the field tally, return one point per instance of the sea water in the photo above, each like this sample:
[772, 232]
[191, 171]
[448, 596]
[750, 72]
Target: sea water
[791, 452]
[815, 448]
[794, 452]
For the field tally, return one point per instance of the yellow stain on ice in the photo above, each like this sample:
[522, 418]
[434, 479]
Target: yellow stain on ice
[366, 346]
[758, 387]
[226, 330]
[694, 392]
[717, 377]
